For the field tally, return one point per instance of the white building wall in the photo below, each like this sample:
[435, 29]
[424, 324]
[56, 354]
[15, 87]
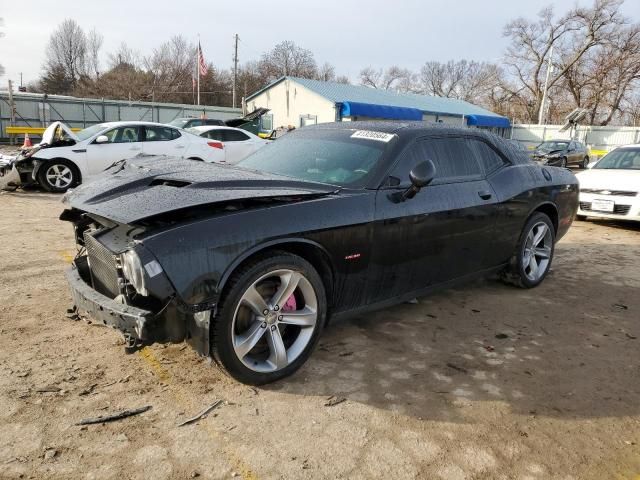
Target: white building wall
[289, 101]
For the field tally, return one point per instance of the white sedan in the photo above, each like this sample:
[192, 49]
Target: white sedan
[65, 158]
[611, 188]
[236, 143]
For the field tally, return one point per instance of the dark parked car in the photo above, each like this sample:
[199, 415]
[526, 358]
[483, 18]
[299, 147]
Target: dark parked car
[562, 153]
[195, 122]
[248, 262]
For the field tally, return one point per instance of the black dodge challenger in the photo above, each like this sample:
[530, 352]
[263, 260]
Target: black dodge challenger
[247, 263]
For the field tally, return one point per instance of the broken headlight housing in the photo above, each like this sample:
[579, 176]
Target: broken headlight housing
[133, 271]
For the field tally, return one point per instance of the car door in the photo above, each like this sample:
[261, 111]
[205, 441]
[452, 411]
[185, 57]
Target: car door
[161, 140]
[123, 142]
[444, 232]
[217, 134]
[237, 144]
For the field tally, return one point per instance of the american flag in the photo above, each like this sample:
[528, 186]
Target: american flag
[202, 66]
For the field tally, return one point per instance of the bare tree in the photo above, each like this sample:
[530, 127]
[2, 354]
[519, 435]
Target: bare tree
[67, 52]
[571, 35]
[343, 79]
[124, 55]
[172, 67]
[466, 80]
[393, 78]
[287, 58]
[326, 73]
[94, 45]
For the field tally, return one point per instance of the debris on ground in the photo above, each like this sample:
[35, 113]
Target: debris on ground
[48, 389]
[201, 414]
[631, 337]
[489, 348]
[88, 390]
[501, 336]
[50, 453]
[457, 368]
[620, 306]
[115, 416]
[333, 401]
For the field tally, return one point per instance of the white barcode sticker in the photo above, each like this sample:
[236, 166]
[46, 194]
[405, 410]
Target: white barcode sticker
[371, 135]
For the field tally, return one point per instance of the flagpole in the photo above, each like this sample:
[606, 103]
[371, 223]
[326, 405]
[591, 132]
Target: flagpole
[198, 67]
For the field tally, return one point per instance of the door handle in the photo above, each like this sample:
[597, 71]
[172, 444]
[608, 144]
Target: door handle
[135, 148]
[485, 195]
[179, 146]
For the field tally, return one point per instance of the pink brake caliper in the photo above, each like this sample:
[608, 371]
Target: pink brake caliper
[290, 304]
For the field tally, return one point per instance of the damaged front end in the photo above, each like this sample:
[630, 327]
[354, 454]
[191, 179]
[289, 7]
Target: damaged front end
[119, 283]
[22, 169]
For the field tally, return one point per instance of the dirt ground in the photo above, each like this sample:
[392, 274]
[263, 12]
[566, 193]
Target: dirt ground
[484, 381]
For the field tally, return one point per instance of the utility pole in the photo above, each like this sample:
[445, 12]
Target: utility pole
[546, 83]
[235, 69]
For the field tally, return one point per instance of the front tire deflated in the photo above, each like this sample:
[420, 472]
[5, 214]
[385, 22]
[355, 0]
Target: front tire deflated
[270, 318]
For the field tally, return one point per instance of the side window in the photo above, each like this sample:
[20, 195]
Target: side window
[123, 135]
[572, 145]
[487, 156]
[160, 134]
[234, 136]
[453, 158]
[215, 135]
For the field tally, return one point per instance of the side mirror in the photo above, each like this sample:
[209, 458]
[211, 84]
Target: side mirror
[102, 139]
[421, 175]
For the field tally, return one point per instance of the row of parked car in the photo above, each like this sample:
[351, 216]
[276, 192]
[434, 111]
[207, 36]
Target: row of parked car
[65, 158]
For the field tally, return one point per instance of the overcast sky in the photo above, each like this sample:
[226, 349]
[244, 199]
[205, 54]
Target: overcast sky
[349, 34]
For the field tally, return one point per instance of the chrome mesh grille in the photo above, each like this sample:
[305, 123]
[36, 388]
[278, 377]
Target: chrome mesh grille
[103, 266]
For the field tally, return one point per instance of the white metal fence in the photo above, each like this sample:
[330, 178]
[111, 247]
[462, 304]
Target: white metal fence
[599, 139]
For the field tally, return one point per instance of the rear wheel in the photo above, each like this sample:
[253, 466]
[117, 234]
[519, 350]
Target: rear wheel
[270, 319]
[585, 163]
[58, 175]
[532, 259]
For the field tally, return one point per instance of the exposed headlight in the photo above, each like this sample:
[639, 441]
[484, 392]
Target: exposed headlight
[133, 272]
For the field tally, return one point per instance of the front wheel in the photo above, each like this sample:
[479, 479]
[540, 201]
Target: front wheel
[270, 319]
[58, 175]
[532, 259]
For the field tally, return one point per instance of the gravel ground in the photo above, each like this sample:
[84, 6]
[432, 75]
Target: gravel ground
[483, 381]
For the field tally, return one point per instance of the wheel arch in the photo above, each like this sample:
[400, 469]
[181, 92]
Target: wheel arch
[42, 162]
[550, 210]
[311, 251]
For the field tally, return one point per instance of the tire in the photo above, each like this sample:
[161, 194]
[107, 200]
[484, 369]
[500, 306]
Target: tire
[244, 340]
[520, 271]
[585, 163]
[58, 175]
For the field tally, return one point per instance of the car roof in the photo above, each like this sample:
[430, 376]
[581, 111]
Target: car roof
[206, 128]
[134, 122]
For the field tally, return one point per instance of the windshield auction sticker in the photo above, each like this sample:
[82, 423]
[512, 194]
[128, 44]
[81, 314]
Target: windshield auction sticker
[371, 135]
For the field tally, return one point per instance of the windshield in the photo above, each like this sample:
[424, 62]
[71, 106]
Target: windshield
[325, 156]
[179, 122]
[620, 159]
[550, 146]
[90, 131]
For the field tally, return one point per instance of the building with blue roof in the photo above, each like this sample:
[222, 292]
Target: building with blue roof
[296, 102]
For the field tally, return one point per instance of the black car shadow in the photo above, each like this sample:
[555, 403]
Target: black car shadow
[554, 350]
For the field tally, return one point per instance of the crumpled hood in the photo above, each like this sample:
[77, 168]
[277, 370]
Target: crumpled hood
[145, 187]
[49, 133]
